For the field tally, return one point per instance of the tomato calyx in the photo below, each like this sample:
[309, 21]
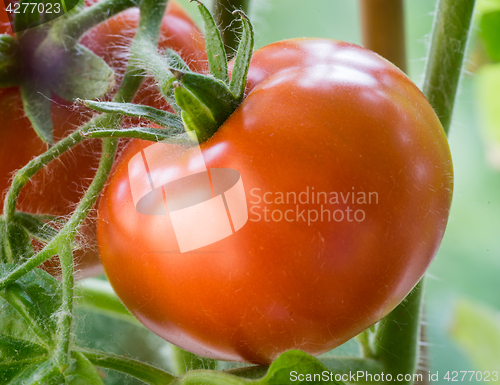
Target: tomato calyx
[9, 61]
[203, 101]
[33, 61]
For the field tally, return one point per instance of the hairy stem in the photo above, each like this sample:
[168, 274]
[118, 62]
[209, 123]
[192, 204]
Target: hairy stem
[383, 30]
[24, 174]
[450, 35]
[227, 21]
[66, 31]
[65, 322]
[68, 232]
[396, 340]
[144, 372]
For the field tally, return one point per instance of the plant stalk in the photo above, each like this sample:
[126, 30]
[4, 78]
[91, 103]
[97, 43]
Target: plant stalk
[66, 31]
[450, 35]
[383, 29]
[144, 372]
[397, 337]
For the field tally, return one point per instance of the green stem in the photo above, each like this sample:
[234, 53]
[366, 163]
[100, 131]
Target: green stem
[144, 372]
[444, 64]
[67, 31]
[395, 342]
[35, 165]
[68, 232]
[65, 322]
[227, 21]
[144, 133]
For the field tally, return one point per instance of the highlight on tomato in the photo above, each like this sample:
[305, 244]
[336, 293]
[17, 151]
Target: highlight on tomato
[314, 202]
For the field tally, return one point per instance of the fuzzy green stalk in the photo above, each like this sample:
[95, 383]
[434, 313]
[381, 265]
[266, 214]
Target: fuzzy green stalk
[66, 31]
[396, 339]
[451, 30]
[144, 372]
[65, 321]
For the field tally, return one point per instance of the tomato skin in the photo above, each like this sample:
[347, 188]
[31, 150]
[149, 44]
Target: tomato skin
[318, 113]
[57, 188]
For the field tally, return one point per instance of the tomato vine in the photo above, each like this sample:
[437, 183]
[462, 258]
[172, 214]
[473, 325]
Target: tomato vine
[389, 339]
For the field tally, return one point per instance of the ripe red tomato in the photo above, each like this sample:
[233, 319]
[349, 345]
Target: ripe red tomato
[348, 181]
[57, 188]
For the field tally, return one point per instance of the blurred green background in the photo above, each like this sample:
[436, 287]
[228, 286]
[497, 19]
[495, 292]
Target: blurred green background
[468, 263]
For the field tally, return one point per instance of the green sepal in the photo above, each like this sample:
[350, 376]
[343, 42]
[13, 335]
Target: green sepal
[184, 361]
[10, 66]
[86, 76]
[174, 60]
[280, 371]
[167, 88]
[217, 61]
[243, 57]
[212, 92]
[37, 105]
[19, 247]
[195, 115]
[163, 118]
[36, 225]
[80, 371]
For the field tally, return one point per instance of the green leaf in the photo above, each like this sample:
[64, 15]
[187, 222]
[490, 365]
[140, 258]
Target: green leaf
[488, 84]
[81, 371]
[27, 308]
[217, 61]
[287, 368]
[27, 327]
[163, 118]
[243, 57]
[490, 33]
[484, 6]
[19, 247]
[35, 374]
[87, 76]
[37, 104]
[28, 16]
[476, 329]
[36, 226]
